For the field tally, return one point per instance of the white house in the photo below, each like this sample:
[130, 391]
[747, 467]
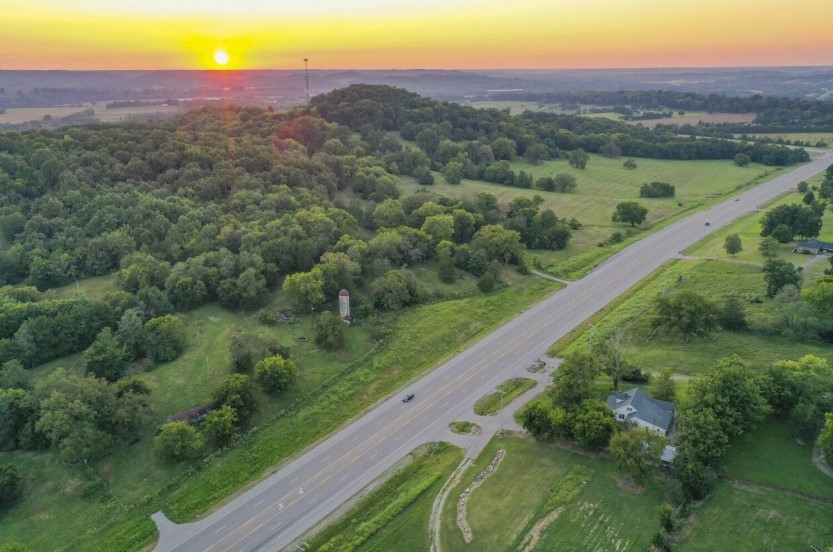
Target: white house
[637, 408]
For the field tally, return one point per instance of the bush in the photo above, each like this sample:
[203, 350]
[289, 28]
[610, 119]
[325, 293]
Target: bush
[178, 441]
[329, 331]
[219, 425]
[165, 338]
[657, 189]
[275, 373]
[10, 484]
[235, 391]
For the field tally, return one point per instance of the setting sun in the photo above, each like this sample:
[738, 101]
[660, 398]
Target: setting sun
[221, 57]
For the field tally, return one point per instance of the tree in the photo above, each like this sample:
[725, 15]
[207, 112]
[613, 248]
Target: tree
[657, 189]
[742, 160]
[579, 158]
[803, 187]
[809, 198]
[14, 376]
[734, 393]
[106, 357]
[636, 451]
[276, 373]
[663, 387]
[178, 441]
[250, 287]
[305, 288]
[630, 164]
[768, 247]
[131, 332]
[235, 391]
[733, 244]
[537, 153]
[390, 291]
[826, 439]
[733, 317]
[630, 212]
[10, 484]
[572, 382]
[779, 273]
[593, 425]
[536, 418]
[219, 425]
[389, 214]
[686, 312]
[701, 436]
[782, 234]
[694, 478]
[165, 338]
[610, 356]
[565, 183]
[499, 243]
[453, 172]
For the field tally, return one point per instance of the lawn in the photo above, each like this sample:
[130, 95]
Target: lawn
[812, 137]
[394, 516]
[604, 184]
[511, 390]
[751, 458]
[62, 504]
[756, 520]
[602, 516]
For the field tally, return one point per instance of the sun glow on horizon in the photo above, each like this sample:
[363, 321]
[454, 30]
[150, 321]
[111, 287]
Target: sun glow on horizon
[221, 57]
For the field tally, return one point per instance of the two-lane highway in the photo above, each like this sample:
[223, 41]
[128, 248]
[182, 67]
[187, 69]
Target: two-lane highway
[281, 508]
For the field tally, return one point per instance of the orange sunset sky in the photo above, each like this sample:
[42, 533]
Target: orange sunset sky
[390, 34]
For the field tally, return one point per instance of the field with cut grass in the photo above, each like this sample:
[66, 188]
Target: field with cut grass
[694, 118]
[601, 516]
[604, 184]
[812, 137]
[16, 115]
[751, 458]
[107, 506]
[395, 515]
[752, 519]
[511, 390]
[716, 280]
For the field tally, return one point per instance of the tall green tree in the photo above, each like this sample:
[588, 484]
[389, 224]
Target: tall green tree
[572, 381]
[686, 312]
[165, 338]
[106, 357]
[178, 441]
[733, 244]
[630, 212]
[219, 425]
[276, 373]
[237, 392]
[779, 273]
[636, 451]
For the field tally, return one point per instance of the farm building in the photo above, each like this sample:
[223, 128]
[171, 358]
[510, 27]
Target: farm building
[813, 247]
[637, 408]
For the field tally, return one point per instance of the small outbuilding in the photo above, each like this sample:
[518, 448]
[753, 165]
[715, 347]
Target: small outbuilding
[813, 247]
[636, 408]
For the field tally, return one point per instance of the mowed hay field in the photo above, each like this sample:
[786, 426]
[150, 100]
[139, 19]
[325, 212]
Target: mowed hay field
[602, 516]
[604, 184]
[694, 118]
[811, 137]
[16, 115]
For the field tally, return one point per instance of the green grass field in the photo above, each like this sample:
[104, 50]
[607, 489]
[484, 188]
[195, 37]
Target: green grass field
[811, 137]
[755, 520]
[751, 458]
[604, 184]
[602, 516]
[749, 230]
[394, 516]
[512, 389]
[714, 279]
[15, 115]
[56, 510]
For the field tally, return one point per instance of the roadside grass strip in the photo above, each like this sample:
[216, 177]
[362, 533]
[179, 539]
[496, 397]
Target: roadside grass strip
[512, 389]
[376, 511]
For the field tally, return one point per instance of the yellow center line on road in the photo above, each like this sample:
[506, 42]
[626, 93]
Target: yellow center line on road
[394, 426]
[391, 426]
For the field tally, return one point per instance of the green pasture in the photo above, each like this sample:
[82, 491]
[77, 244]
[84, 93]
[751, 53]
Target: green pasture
[511, 390]
[748, 228]
[812, 137]
[603, 185]
[751, 458]
[603, 515]
[715, 279]
[107, 506]
[750, 519]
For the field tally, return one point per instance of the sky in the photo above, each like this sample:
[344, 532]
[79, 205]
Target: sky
[397, 34]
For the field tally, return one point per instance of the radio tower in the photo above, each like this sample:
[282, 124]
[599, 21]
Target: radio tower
[306, 77]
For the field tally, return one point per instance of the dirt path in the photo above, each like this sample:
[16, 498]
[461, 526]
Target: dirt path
[434, 523]
[531, 539]
[463, 501]
[819, 461]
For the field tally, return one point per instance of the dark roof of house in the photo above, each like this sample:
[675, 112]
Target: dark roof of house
[652, 411]
[815, 244]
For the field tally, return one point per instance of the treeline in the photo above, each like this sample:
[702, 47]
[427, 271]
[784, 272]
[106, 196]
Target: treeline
[448, 132]
[784, 112]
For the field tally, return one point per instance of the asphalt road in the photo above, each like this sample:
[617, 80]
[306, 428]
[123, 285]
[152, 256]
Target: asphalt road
[281, 508]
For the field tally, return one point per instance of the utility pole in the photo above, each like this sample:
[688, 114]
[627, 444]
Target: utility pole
[306, 77]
